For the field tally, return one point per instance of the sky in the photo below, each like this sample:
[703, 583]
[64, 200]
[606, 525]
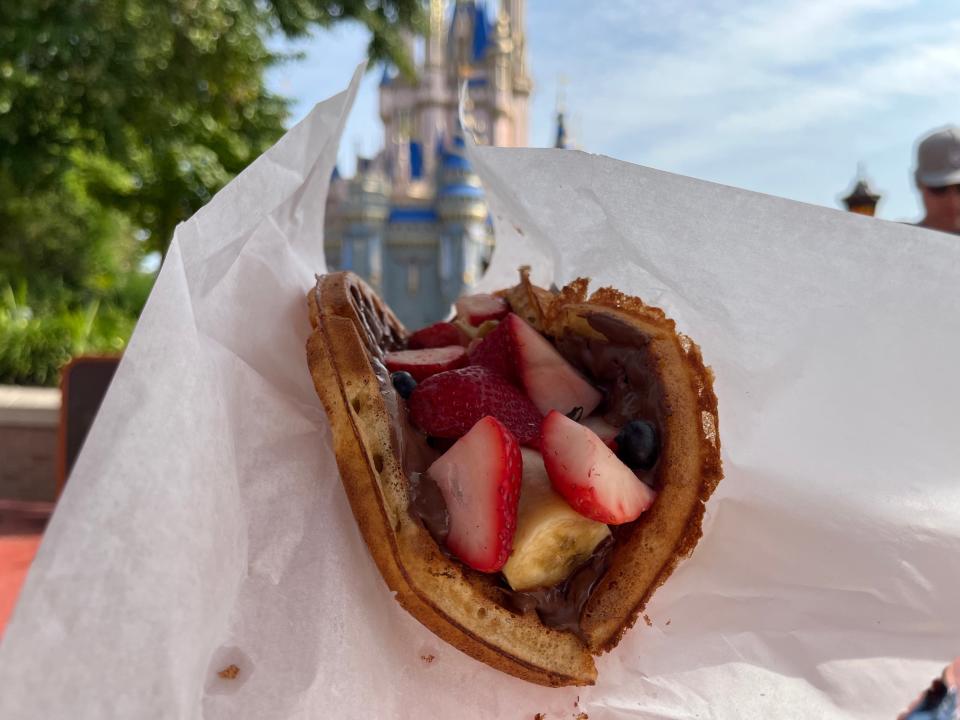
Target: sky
[784, 97]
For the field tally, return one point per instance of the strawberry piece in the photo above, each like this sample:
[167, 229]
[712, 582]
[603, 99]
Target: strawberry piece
[475, 309]
[495, 351]
[588, 475]
[441, 334]
[550, 381]
[450, 403]
[424, 363]
[479, 478]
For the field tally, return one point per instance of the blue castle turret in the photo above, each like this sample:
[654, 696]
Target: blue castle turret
[466, 238]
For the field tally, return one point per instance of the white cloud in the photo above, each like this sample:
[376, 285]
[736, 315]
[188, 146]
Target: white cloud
[929, 70]
[799, 33]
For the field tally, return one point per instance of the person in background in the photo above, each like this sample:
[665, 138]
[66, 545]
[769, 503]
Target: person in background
[939, 702]
[938, 178]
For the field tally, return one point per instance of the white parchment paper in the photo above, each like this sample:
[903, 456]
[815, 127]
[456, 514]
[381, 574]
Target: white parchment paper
[205, 526]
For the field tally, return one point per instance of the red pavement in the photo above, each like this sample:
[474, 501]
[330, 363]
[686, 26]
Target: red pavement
[16, 554]
[21, 528]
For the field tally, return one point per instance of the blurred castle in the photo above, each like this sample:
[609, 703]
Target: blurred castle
[413, 220]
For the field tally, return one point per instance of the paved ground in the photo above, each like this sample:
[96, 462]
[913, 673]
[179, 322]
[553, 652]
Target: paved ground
[16, 553]
[21, 527]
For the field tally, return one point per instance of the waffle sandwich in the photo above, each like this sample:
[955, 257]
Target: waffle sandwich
[568, 565]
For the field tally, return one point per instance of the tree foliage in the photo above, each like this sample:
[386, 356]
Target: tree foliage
[120, 118]
[153, 105]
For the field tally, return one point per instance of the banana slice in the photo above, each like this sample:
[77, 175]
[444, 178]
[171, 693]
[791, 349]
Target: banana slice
[552, 539]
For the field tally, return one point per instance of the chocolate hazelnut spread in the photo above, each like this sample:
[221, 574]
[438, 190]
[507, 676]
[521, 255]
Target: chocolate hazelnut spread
[560, 606]
[620, 366]
[623, 367]
[380, 335]
[427, 503]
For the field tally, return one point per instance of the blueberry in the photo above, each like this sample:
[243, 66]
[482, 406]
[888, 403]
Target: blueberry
[403, 382]
[637, 444]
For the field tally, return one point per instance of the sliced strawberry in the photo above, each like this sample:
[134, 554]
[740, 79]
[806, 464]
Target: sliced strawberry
[479, 478]
[424, 363]
[604, 430]
[477, 308]
[495, 351]
[588, 475]
[441, 334]
[449, 404]
[550, 381]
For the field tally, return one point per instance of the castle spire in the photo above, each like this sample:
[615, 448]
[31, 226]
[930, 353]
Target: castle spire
[481, 30]
[861, 199]
[561, 141]
[515, 12]
[520, 82]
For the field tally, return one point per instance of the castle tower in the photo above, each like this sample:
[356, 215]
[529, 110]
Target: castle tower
[414, 219]
[411, 282]
[561, 140]
[522, 84]
[361, 218]
[504, 131]
[433, 97]
[466, 242]
[333, 220]
[861, 199]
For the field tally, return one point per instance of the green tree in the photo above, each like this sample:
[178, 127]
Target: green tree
[153, 104]
[120, 118]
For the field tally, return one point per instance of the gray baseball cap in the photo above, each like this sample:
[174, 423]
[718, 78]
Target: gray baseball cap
[938, 158]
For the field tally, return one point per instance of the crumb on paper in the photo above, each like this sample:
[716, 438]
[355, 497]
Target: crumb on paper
[582, 716]
[647, 620]
[230, 672]
[539, 716]
[427, 658]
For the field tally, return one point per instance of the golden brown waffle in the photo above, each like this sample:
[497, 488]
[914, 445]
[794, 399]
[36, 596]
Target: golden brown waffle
[352, 329]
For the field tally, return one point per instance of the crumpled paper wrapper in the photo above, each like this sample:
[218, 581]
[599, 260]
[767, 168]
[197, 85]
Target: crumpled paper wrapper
[204, 563]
